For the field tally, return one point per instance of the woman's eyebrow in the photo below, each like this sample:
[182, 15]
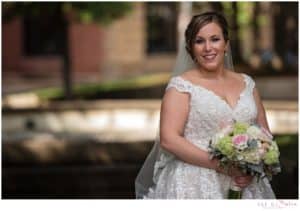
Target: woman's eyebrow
[200, 37]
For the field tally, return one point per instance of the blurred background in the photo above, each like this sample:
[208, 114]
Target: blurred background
[82, 84]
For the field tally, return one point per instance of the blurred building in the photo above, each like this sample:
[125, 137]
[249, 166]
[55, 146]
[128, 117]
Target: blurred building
[264, 38]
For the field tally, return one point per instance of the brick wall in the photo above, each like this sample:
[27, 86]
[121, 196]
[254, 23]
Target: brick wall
[125, 42]
[85, 47]
[11, 44]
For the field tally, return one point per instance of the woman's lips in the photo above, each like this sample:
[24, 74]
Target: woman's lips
[210, 57]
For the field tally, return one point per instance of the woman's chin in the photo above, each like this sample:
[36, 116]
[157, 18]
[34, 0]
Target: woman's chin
[211, 68]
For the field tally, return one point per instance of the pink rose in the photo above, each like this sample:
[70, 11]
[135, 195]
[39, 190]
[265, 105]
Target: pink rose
[240, 141]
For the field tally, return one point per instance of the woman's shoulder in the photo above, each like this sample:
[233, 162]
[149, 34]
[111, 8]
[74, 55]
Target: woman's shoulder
[241, 76]
[250, 83]
[182, 78]
[188, 75]
[181, 82]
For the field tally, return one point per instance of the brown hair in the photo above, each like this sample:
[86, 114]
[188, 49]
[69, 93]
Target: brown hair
[197, 22]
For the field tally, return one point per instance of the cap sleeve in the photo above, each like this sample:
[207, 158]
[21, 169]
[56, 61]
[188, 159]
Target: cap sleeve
[179, 84]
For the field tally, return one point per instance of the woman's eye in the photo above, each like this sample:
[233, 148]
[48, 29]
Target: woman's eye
[199, 41]
[215, 39]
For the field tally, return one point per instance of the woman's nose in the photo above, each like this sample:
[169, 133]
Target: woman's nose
[207, 46]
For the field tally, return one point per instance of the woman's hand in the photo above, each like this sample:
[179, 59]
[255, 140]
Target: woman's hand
[234, 172]
[243, 181]
[231, 171]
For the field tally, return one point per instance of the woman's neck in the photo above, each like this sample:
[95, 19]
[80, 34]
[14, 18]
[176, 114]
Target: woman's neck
[212, 74]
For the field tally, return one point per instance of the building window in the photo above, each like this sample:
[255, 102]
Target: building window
[161, 27]
[43, 36]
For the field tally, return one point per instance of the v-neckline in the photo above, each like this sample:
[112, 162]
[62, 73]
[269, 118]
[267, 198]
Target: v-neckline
[232, 108]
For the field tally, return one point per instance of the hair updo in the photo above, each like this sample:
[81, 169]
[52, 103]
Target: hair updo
[197, 22]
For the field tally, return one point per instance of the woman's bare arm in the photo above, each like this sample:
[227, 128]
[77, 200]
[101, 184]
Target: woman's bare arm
[261, 113]
[174, 113]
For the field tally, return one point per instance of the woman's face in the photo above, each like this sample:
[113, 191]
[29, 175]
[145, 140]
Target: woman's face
[209, 47]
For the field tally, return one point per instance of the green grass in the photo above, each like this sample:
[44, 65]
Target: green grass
[284, 140]
[115, 85]
[288, 146]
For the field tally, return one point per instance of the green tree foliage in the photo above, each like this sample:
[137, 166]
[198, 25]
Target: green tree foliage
[86, 12]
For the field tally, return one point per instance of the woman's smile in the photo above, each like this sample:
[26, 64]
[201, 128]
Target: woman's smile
[209, 57]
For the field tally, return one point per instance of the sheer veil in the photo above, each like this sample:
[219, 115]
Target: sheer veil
[145, 180]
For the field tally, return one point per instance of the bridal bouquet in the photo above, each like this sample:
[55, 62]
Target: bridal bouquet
[248, 147]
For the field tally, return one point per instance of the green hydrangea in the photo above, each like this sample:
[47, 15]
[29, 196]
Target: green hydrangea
[240, 128]
[251, 156]
[225, 146]
[272, 156]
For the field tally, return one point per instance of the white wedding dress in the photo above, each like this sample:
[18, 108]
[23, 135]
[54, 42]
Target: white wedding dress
[175, 179]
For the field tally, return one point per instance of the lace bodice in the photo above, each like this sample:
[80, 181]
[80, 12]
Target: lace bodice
[174, 178]
[208, 111]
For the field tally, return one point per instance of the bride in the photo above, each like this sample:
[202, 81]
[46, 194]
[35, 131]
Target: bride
[197, 102]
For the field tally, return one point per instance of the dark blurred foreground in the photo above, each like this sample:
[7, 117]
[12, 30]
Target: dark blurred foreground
[80, 170]
[73, 170]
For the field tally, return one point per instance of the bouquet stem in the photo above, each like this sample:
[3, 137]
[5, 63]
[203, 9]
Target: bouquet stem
[234, 192]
